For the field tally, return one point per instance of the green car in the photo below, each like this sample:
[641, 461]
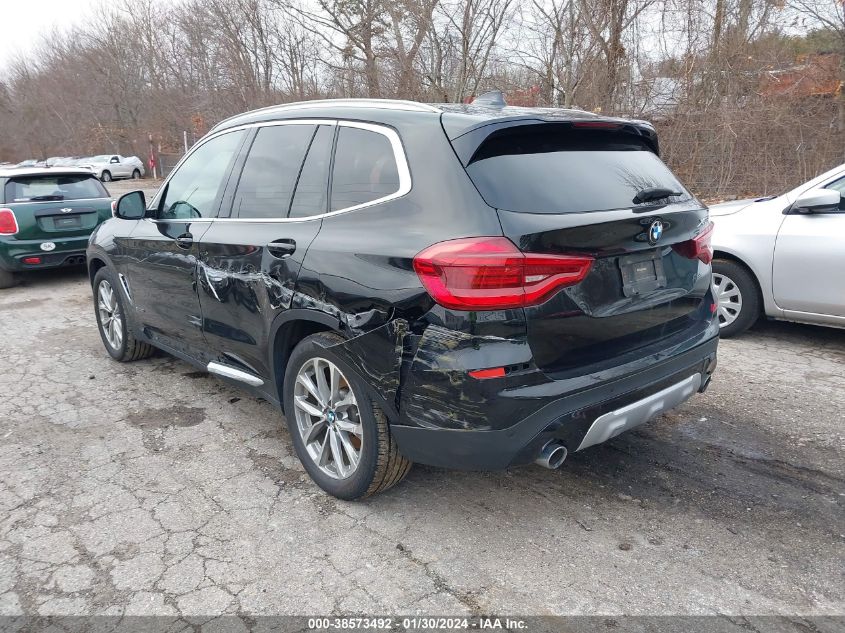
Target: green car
[46, 216]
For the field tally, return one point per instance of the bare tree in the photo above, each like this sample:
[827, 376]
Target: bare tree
[830, 15]
[702, 70]
[554, 44]
[473, 28]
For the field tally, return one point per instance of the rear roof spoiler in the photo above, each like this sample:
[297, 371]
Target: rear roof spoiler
[466, 140]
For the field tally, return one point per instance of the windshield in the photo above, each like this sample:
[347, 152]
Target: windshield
[551, 168]
[54, 187]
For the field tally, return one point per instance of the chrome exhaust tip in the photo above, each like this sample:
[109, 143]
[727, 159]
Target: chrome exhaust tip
[552, 455]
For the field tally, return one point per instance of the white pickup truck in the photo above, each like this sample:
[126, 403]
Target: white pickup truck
[110, 167]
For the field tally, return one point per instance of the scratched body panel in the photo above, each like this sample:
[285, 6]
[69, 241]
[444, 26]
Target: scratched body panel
[377, 358]
[243, 287]
[440, 393]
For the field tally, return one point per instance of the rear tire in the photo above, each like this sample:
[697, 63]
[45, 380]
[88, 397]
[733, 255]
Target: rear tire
[739, 298]
[379, 463]
[106, 177]
[110, 309]
[8, 279]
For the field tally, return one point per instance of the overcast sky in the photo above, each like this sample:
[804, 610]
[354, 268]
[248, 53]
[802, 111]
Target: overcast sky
[24, 21]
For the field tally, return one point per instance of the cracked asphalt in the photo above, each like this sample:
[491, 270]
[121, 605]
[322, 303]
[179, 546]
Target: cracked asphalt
[154, 488]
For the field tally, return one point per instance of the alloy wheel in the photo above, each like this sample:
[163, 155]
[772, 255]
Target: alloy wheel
[729, 299]
[327, 418]
[111, 319]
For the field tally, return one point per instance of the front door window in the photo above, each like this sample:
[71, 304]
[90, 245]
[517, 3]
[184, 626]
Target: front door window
[195, 189]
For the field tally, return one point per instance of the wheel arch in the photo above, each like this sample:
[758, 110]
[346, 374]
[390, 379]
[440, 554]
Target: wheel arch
[733, 257]
[95, 263]
[291, 327]
[375, 355]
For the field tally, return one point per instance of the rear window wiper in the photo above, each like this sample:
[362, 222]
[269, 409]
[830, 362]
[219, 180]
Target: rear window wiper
[654, 193]
[46, 198]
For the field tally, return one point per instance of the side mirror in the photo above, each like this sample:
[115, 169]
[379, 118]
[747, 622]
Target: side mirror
[817, 201]
[131, 206]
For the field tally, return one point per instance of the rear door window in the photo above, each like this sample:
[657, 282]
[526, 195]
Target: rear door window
[364, 168]
[312, 188]
[271, 171]
[557, 169]
[54, 187]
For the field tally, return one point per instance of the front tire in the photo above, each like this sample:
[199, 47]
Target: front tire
[8, 279]
[113, 320]
[136, 175]
[738, 296]
[106, 177]
[341, 437]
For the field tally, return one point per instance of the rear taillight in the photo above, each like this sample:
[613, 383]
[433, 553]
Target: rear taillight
[491, 273]
[114, 208]
[8, 222]
[700, 247]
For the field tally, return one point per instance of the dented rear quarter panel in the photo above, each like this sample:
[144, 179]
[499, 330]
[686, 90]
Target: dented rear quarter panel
[359, 272]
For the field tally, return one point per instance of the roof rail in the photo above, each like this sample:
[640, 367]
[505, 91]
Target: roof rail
[387, 104]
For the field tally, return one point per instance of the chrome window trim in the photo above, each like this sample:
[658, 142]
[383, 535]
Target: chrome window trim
[405, 183]
[834, 180]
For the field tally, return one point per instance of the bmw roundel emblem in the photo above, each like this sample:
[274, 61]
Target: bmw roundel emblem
[655, 232]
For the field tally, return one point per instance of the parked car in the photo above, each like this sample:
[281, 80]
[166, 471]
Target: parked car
[110, 167]
[782, 256]
[62, 161]
[466, 286]
[46, 217]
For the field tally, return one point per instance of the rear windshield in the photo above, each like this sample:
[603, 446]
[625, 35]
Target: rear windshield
[54, 187]
[551, 168]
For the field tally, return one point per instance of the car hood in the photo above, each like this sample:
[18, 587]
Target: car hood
[729, 208]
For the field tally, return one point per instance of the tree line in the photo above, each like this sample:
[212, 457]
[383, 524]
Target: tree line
[702, 70]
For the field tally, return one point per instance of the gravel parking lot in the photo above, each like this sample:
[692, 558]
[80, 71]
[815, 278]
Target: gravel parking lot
[153, 488]
[118, 187]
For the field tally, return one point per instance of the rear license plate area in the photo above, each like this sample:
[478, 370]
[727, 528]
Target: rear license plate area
[70, 222]
[642, 273]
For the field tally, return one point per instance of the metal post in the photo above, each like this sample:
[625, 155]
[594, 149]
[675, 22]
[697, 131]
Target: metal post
[152, 158]
[185, 139]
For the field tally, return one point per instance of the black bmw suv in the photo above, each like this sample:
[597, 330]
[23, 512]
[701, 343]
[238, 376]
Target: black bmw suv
[468, 286]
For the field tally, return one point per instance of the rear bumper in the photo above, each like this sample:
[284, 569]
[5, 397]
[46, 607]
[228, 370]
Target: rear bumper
[68, 251]
[577, 419]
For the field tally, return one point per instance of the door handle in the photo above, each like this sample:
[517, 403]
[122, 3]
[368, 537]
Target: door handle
[185, 241]
[282, 248]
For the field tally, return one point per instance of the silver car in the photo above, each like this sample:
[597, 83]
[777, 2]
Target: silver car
[782, 256]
